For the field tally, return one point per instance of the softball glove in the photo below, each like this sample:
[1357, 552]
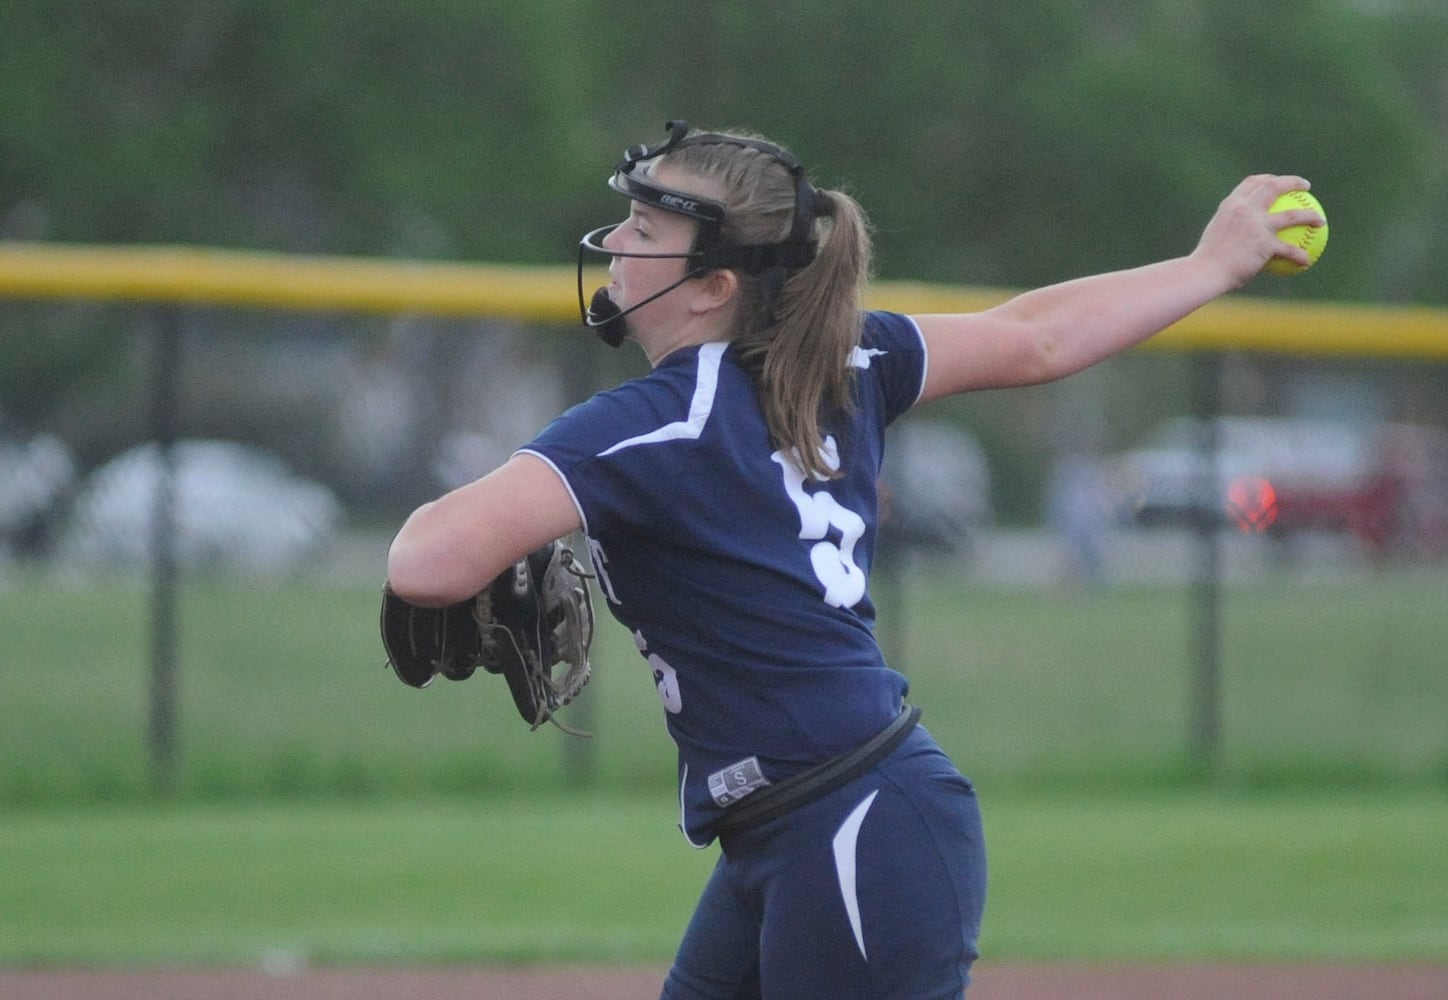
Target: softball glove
[535, 616]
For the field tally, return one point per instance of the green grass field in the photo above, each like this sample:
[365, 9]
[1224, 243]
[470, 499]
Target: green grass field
[324, 812]
[283, 692]
[1159, 875]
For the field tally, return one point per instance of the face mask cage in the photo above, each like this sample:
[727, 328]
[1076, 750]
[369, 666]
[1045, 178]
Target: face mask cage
[771, 260]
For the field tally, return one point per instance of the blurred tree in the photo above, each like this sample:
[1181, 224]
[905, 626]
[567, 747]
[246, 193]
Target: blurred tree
[1180, 102]
[997, 144]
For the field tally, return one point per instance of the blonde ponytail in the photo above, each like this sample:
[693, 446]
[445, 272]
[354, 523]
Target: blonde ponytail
[798, 341]
[806, 372]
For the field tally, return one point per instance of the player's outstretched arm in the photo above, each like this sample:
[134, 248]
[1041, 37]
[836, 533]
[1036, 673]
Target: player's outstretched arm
[453, 547]
[1058, 330]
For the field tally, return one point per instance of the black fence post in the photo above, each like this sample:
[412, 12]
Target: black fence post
[165, 398]
[1206, 723]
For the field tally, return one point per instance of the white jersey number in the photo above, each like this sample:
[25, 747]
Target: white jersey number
[834, 563]
[666, 678]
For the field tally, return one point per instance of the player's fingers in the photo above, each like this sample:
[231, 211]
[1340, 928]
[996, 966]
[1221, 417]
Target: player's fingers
[1282, 184]
[1297, 217]
[1267, 188]
[1257, 184]
[1293, 252]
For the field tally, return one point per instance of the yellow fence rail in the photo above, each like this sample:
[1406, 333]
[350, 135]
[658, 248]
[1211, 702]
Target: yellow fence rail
[261, 280]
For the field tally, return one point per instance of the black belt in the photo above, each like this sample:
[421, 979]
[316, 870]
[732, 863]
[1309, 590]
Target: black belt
[774, 801]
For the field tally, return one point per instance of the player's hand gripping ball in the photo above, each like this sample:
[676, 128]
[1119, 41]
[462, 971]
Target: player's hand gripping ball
[1313, 239]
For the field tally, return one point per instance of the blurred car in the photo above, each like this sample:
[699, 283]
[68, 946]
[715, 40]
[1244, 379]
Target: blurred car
[35, 477]
[235, 507]
[1386, 484]
[935, 486]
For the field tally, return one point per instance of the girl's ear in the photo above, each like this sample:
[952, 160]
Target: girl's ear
[715, 290]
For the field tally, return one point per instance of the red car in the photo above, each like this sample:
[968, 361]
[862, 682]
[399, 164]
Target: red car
[1385, 483]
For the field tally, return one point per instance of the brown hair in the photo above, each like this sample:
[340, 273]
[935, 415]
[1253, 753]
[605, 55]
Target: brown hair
[799, 346]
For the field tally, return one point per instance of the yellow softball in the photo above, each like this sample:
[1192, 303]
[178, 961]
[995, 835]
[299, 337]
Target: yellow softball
[1313, 239]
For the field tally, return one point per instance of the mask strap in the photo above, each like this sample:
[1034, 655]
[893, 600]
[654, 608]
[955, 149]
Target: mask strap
[601, 314]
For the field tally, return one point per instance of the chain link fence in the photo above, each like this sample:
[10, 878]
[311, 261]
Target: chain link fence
[195, 503]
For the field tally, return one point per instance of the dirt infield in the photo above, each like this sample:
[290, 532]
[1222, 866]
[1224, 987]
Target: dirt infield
[1000, 982]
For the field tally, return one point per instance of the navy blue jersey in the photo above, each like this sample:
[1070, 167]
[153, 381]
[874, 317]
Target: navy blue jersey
[742, 581]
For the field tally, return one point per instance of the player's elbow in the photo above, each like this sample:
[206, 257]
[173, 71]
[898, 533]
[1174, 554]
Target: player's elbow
[424, 578]
[1046, 348]
[1034, 356]
[1047, 359]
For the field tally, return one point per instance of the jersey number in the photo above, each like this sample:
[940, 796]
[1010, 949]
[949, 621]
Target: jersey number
[666, 678]
[833, 562]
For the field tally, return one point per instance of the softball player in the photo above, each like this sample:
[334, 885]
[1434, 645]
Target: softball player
[729, 502]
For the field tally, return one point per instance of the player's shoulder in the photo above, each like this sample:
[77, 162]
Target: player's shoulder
[891, 356]
[882, 330]
[671, 402]
[676, 375]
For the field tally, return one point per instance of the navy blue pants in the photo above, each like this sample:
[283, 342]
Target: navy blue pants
[873, 891]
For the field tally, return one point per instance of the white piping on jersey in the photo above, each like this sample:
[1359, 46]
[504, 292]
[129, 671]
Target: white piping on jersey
[582, 517]
[861, 356]
[924, 359]
[683, 812]
[707, 381]
[844, 846]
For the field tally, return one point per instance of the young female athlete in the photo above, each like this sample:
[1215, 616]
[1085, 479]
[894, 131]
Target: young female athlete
[728, 499]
